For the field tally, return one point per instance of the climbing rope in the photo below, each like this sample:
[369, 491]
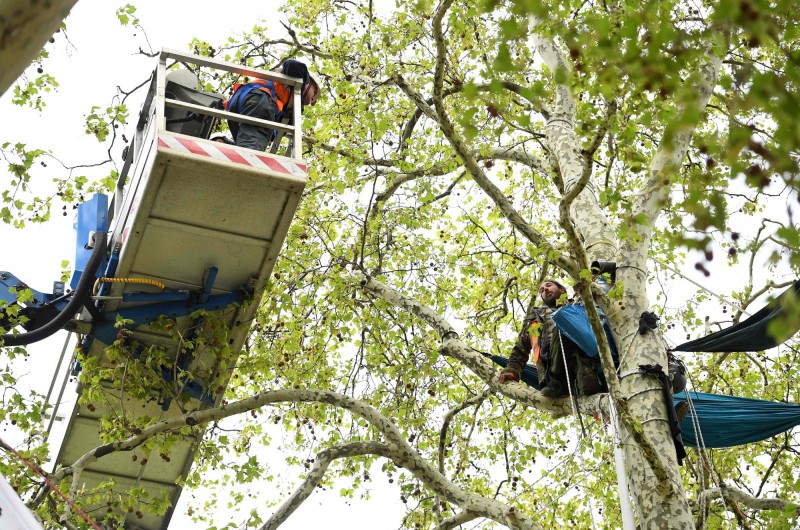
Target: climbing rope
[701, 449]
[708, 291]
[572, 397]
[627, 349]
[49, 483]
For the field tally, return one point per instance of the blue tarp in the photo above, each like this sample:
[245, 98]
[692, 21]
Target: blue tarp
[573, 322]
[724, 421]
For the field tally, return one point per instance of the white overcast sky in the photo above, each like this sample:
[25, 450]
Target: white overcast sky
[99, 55]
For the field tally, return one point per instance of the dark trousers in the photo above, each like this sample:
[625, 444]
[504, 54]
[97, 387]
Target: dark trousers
[256, 104]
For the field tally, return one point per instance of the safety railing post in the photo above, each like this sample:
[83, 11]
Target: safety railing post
[297, 119]
[161, 91]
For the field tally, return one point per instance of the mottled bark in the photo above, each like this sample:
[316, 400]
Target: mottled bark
[645, 398]
[651, 461]
[732, 494]
[394, 447]
[317, 473]
[25, 27]
[584, 208]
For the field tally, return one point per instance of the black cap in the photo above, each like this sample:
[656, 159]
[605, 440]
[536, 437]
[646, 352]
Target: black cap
[294, 68]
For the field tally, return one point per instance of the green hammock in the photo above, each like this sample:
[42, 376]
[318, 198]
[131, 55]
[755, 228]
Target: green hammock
[724, 421]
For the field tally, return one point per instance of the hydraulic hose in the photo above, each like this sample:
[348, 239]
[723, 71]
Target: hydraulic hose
[79, 295]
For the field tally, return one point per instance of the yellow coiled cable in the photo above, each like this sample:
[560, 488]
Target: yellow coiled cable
[145, 281]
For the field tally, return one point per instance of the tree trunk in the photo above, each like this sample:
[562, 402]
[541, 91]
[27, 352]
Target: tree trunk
[25, 26]
[659, 503]
[656, 508]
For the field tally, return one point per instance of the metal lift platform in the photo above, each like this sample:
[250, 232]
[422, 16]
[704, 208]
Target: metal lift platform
[205, 220]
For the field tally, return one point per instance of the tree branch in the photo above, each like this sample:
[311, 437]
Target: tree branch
[508, 85]
[453, 347]
[663, 168]
[580, 197]
[580, 200]
[448, 417]
[733, 494]
[317, 473]
[456, 520]
[395, 448]
[470, 163]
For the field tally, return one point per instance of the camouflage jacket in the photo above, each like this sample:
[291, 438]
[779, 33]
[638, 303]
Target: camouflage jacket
[539, 322]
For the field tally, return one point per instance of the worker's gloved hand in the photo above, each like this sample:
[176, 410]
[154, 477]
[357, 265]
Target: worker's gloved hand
[508, 375]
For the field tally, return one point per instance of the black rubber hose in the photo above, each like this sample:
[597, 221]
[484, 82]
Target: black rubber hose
[84, 287]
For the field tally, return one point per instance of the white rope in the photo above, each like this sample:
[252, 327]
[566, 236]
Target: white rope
[572, 398]
[628, 521]
[701, 446]
[700, 449]
[629, 373]
[558, 121]
[627, 349]
[709, 291]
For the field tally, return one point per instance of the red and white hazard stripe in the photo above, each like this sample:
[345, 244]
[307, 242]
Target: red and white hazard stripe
[227, 153]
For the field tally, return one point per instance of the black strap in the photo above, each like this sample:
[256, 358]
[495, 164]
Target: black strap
[656, 371]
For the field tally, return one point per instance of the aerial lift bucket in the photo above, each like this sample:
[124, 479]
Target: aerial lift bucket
[195, 228]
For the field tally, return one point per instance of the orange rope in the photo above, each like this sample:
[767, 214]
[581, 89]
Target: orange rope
[47, 481]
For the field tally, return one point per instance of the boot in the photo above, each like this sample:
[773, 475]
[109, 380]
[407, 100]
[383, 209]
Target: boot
[555, 389]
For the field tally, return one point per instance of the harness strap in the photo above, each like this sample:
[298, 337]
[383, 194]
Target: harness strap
[238, 96]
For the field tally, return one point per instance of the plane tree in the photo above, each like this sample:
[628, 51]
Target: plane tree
[462, 153]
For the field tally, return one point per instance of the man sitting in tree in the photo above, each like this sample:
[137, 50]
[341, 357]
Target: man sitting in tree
[556, 358]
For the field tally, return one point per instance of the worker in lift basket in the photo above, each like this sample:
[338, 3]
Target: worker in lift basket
[268, 100]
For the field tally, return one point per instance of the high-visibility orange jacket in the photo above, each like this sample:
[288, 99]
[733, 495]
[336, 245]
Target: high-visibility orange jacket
[278, 92]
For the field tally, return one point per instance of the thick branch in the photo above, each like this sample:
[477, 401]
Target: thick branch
[515, 154]
[317, 473]
[580, 200]
[25, 28]
[733, 494]
[396, 447]
[453, 347]
[580, 197]
[457, 520]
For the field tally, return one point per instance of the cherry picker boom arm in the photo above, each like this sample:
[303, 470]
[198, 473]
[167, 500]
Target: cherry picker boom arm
[192, 234]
